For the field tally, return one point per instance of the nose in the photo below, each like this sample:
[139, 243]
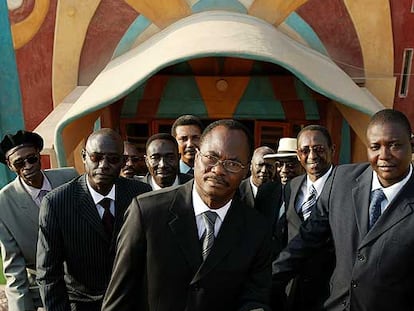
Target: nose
[384, 152]
[162, 162]
[218, 168]
[104, 162]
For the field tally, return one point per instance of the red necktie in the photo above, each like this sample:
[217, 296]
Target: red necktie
[107, 218]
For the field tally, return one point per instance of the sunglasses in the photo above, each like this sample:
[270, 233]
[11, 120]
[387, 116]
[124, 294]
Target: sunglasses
[96, 157]
[304, 151]
[31, 159]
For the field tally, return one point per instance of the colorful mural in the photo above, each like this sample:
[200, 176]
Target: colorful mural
[54, 50]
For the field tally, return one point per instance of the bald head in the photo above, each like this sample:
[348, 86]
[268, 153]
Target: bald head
[262, 170]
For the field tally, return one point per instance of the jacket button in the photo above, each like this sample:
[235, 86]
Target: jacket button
[344, 303]
[354, 284]
[361, 257]
[196, 287]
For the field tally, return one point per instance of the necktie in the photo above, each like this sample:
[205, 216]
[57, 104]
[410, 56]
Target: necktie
[309, 203]
[41, 194]
[209, 218]
[375, 206]
[107, 218]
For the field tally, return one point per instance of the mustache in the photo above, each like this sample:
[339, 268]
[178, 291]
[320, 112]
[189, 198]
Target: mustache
[217, 180]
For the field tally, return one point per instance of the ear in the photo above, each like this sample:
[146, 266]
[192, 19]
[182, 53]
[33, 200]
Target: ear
[83, 155]
[412, 143]
[10, 166]
[146, 161]
[333, 148]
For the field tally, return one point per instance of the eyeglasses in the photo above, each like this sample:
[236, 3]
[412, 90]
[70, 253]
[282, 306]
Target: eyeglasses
[229, 165]
[289, 165]
[98, 157]
[134, 159]
[31, 159]
[304, 151]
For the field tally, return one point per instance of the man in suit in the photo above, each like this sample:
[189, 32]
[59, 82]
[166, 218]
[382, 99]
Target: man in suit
[162, 162]
[286, 160]
[261, 170]
[19, 213]
[187, 130]
[159, 249]
[315, 151]
[367, 210]
[78, 226]
[134, 161]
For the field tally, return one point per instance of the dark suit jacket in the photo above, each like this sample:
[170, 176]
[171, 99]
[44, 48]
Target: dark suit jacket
[310, 288]
[74, 254]
[182, 178]
[374, 268]
[159, 241]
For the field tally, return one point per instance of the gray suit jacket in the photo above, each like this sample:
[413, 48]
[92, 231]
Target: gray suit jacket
[374, 268]
[74, 254]
[19, 216]
[159, 253]
[310, 289]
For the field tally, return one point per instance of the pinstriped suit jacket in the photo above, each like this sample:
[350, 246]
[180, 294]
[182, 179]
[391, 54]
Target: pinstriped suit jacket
[19, 216]
[74, 254]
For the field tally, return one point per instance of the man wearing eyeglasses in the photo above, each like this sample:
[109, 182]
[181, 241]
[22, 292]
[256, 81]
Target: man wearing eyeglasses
[162, 162]
[196, 246]
[134, 161]
[315, 151]
[79, 224]
[19, 213]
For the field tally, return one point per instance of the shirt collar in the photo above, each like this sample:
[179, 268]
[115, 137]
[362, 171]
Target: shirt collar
[34, 192]
[97, 197]
[254, 187]
[184, 168]
[200, 207]
[319, 183]
[155, 186]
[391, 191]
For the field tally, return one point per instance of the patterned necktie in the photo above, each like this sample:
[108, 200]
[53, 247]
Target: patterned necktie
[107, 217]
[309, 203]
[375, 206]
[209, 218]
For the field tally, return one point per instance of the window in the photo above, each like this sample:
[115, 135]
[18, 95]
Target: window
[406, 72]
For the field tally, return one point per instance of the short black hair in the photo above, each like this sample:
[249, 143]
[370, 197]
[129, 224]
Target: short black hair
[187, 119]
[231, 125]
[391, 116]
[316, 127]
[161, 136]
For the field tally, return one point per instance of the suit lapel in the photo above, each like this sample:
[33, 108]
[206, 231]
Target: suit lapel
[360, 196]
[87, 208]
[229, 236]
[401, 207]
[247, 192]
[291, 212]
[25, 203]
[184, 227]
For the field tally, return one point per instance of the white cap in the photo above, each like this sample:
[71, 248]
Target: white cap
[287, 148]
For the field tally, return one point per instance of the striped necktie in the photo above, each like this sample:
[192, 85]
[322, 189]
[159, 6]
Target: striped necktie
[309, 203]
[375, 206]
[209, 218]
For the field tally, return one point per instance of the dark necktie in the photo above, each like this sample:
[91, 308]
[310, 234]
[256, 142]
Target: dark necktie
[309, 203]
[107, 218]
[375, 206]
[41, 194]
[209, 218]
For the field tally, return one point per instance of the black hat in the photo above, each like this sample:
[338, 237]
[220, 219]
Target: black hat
[20, 139]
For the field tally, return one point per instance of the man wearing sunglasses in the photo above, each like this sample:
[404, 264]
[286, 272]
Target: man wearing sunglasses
[134, 161]
[79, 224]
[19, 213]
[196, 246]
[315, 152]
